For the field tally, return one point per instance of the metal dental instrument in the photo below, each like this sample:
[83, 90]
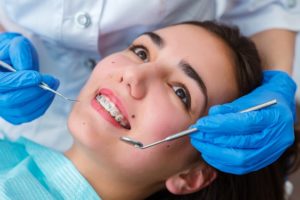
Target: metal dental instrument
[41, 85]
[140, 145]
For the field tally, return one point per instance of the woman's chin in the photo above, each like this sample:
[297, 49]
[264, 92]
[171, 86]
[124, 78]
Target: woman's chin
[86, 132]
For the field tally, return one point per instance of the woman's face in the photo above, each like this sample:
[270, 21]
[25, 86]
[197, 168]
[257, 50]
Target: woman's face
[155, 88]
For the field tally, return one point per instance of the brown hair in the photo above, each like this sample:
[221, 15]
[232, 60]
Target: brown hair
[266, 183]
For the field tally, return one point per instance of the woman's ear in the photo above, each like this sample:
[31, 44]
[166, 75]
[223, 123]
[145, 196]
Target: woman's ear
[192, 179]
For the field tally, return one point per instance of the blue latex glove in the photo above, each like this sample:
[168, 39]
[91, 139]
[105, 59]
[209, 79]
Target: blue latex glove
[21, 100]
[240, 143]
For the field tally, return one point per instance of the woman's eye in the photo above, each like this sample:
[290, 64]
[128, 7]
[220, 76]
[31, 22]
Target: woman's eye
[141, 52]
[183, 95]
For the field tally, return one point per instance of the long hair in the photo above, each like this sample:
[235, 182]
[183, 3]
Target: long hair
[264, 184]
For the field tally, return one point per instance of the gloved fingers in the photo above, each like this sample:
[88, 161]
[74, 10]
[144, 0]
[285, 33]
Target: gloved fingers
[240, 160]
[236, 155]
[250, 138]
[8, 36]
[282, 80]
[23, 55]
[17, 80]
[18, 51]
[29, 104]
[221, 109]
[30, 107]
[5, 42]
[230, 160]
[293, 106]
[2, 69]
[23, 79]
[50, 81]
[229, 168]
[34, 107]
[258, 162]
[251, 141]
[5, 39]
[237, 123]
[17, 98]
[29, 117]
[224, 156]
[239, 104]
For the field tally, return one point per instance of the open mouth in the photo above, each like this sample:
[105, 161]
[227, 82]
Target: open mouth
[113, 110]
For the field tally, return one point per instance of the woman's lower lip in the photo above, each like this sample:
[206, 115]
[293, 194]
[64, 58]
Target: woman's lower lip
[104, 113]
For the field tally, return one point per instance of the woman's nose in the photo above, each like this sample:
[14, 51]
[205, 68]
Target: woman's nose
[138, 79]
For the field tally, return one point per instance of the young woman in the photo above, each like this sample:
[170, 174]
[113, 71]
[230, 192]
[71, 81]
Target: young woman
[160, 85]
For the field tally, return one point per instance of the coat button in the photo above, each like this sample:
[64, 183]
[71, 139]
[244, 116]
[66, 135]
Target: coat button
[291, 3]
[83, 20]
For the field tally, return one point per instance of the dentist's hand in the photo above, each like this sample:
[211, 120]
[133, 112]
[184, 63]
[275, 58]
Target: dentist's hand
[240, 143]
[21, 100]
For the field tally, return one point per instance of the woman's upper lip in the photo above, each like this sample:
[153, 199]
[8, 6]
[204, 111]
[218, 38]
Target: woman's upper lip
[113, 98]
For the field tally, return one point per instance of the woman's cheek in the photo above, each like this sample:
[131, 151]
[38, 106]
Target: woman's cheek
[163, 123]
[117, 60]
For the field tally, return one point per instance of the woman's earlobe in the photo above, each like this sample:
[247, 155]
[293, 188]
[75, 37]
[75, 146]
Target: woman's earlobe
[191, 180]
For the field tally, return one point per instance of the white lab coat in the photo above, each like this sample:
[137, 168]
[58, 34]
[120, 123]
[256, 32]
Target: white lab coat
[70, 35]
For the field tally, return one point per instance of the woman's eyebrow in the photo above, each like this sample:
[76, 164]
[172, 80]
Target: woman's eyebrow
[156, 39]
[191, 73]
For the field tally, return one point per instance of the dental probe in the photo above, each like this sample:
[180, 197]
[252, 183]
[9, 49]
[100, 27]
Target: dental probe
[41, 85]
[140, 145]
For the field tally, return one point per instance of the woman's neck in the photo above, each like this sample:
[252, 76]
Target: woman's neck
[108, 184]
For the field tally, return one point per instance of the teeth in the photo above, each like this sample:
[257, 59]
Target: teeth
[112, 109]
[114, 112]
[119, 118]
[123, 124]
[107, 105]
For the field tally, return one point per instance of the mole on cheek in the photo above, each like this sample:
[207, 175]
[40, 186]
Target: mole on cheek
[132, 116]
[83, 123]
[113, 62]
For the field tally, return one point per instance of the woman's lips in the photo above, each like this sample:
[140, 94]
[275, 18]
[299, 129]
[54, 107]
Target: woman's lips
[104, 113]
[108, 93]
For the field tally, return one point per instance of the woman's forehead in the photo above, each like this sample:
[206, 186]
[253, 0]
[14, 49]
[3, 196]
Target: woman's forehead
[190, 41]
[185, 33]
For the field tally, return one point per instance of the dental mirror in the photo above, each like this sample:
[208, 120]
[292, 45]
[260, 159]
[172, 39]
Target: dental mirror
[140, 145]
